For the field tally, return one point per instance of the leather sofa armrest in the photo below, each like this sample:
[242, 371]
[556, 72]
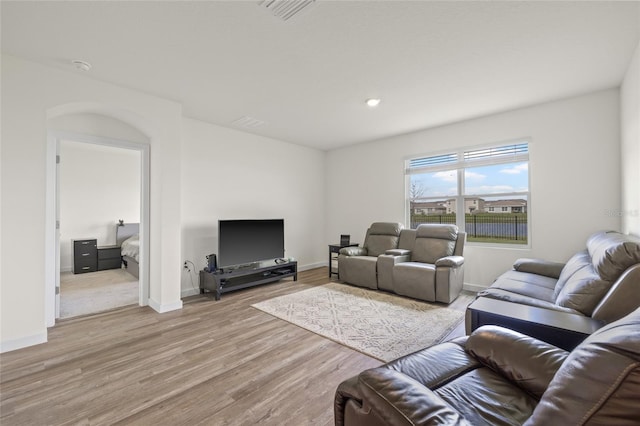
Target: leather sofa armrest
[528, 362]
[353, 251]
[398, 252]
[451, 261]
[539, 267]
[347, 391]
[400, 400]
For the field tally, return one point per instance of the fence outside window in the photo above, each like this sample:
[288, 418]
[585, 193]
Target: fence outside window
[506, 228]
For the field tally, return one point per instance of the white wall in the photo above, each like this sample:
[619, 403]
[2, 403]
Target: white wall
[98, 186]
[575, 178]
[630, 124]
[228, 174]
[31, 94]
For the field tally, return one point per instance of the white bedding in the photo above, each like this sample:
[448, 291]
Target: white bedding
[131, 247]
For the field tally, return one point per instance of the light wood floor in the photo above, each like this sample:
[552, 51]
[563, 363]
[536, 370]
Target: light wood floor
[211, 363]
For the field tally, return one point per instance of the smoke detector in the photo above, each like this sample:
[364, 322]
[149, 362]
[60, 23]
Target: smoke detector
[285, 9]
[81, 65]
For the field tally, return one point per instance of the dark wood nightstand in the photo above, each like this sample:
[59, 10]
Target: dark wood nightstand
[109, 257]
[334, 249]
[85, 255]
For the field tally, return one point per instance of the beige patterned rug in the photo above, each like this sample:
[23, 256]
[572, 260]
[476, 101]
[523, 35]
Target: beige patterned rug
[377, 324]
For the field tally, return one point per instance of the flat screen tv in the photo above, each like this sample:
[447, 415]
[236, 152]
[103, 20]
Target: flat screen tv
[247, 241]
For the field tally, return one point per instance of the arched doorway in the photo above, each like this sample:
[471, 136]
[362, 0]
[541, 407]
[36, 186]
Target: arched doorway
[99, 126]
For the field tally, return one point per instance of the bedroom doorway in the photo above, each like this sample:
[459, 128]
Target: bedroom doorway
[99, 204]
[92, 197]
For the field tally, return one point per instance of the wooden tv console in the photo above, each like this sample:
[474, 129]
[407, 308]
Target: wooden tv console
[227, 280]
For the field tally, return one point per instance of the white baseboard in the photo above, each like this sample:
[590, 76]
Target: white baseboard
[12, 345]
[186, 292]
[312, 266]
[167, 307]
[473, 287]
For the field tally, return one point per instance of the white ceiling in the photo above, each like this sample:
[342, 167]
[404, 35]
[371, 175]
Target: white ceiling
[308, 78]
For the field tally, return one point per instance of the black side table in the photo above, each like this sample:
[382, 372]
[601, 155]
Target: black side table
[562, 329]
[334, 249]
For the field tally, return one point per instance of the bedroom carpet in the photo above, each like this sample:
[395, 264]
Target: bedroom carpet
[377, 324]
[94, 292]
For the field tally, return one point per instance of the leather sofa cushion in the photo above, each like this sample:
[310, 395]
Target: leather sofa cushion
[526, 284]
[379, 244]
[434, 242]
[508, 296]
[577, 262]
[415, 279]
[528, 362]
[427, 366]
[484, 397]
[407, 239]
[358, 270]
[381, 237]
[400, 400]
[386, 228]
[481, 395]
[579, 286]
[540, 267]
[599, 382]
[612, 253]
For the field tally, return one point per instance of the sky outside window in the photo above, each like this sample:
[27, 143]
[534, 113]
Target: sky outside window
[495, 179]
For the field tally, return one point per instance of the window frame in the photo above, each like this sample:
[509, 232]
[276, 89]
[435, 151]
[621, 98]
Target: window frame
[460, 165]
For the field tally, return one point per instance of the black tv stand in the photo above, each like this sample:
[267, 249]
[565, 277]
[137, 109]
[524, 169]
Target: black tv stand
[224, 281]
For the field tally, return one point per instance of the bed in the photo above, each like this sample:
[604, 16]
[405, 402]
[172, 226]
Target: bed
[127, 237]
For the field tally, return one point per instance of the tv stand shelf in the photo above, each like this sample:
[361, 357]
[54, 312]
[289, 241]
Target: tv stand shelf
[225, 281]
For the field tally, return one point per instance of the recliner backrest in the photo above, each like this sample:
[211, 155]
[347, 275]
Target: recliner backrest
[382, 236]
[407, 239]
[612, 253]
[590, 274]
[433, 242]
[599, 382]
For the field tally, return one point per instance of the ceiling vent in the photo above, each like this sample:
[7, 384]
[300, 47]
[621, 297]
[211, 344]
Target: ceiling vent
[285, 9]
[248, 122]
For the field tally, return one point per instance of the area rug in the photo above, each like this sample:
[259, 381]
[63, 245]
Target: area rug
[377, 324]
[83, 294]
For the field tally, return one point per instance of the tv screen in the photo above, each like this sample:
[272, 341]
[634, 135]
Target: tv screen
[247, 241]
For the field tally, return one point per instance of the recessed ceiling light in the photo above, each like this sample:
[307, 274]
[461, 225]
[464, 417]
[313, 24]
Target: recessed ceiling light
[373, 102]
[81, 65]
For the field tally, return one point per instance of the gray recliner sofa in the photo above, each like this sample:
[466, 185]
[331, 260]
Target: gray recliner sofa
[358, 265]
[425, 263]
[602, 281]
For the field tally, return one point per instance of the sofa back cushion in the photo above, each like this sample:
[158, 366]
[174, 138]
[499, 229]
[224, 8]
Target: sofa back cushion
[612, 253]
[433, 242]
[589, 274]
[407, 239]
[382, 236]
[579, 287]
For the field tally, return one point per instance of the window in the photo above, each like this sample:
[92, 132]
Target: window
[483, 190]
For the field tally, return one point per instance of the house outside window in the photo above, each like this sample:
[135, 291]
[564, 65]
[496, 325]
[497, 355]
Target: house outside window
[484, 191]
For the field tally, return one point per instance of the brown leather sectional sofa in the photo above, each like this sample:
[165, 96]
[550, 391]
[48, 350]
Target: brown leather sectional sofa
[498, 376]
[602, 281]
[562, 303]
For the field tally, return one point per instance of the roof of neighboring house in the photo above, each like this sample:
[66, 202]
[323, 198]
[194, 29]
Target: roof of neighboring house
[429, 205]
[505, 203]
